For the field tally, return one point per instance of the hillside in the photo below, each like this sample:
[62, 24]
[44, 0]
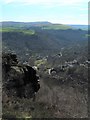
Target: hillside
[40, 39]
[59, 54]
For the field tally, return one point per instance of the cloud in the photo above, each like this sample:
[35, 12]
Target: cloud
[46, 2]
[83, 9]
[8, 1]
[84, 15]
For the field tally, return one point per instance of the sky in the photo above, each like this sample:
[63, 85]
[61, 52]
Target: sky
[55, 11]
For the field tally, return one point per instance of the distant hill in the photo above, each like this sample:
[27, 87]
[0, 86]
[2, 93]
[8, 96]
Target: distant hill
[24, 24]
[83, 27]
[41, 37]
[57, 27]
[41, 40]
[43, 25]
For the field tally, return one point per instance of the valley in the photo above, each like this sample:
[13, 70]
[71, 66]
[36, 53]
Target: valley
[59, 54]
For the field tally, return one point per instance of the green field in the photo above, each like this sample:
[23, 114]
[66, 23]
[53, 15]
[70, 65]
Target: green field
[10, 29]
[57, 27]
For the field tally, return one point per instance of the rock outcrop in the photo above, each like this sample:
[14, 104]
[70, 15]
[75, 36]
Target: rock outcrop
[19, 80]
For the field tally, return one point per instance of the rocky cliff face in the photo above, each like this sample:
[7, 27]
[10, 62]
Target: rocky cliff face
[19, 80]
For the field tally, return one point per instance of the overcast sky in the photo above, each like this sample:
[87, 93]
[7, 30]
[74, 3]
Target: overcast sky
[55, 11]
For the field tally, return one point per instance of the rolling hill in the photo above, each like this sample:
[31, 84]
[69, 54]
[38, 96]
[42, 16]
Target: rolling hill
[40, 37]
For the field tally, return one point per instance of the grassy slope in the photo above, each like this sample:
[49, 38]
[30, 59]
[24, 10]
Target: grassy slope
[10, 29]
[57, 27]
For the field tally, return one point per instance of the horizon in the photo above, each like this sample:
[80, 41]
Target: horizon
[40, 22]
[55, 11]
